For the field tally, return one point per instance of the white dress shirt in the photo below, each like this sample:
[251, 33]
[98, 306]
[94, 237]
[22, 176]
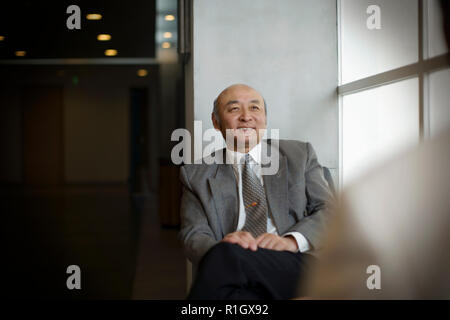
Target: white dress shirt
[255, 163]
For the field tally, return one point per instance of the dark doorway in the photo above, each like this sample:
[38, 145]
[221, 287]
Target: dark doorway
[42, 136]
[138, 139]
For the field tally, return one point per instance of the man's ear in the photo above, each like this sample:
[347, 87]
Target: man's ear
[215, 122]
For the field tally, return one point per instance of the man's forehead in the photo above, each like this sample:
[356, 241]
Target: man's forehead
[240, 92]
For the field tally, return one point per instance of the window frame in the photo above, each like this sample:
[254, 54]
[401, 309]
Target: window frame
[421, 69]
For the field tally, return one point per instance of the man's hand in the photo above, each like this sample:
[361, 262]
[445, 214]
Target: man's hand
[275, 242]
[242, 238]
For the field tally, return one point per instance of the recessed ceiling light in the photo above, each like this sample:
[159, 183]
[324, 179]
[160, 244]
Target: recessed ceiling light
[94, 16]
[2, 38]
[111, 52]
[169, 17]
[104, 37]
[20, 53]
[142, 73]
[166, 45]
[167, 35]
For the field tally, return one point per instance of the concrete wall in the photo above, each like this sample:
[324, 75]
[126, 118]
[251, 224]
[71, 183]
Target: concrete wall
[285, 49]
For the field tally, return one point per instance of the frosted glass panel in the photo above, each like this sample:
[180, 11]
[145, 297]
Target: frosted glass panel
[439, 101]
[366, 51]
[378, 123]
[436, 38]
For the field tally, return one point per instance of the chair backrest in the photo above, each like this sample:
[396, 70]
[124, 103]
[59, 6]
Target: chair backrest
[329, 178]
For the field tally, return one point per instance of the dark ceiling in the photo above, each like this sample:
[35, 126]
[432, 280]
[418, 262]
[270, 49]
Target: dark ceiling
[39, 28]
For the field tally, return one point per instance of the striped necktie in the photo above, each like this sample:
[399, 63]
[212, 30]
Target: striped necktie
[255, 202]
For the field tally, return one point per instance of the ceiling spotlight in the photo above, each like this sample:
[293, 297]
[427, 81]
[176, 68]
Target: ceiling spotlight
[2, 38]
[166, 45]
[169, 17]
[142, 73]
[94, 16]
[167, 35]
[104, 37]
[20, 53]
[111, 52]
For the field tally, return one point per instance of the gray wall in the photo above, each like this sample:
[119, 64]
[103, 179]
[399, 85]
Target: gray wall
[285, 49]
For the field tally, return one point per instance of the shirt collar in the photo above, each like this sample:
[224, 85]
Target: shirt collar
[234, 157]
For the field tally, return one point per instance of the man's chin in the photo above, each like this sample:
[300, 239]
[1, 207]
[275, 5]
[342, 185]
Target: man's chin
[247, 142]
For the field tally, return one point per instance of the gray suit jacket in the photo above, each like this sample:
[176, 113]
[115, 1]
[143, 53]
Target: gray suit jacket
[297, 197]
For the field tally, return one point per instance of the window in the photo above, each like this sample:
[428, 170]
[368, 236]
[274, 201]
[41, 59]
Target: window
[374, 127]
[439, 101]
[366, 51]
[394, 85]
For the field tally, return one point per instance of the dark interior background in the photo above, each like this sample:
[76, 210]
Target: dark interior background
[39, 27]
[85, 176]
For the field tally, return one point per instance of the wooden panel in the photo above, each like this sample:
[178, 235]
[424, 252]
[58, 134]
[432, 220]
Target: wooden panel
[169, 195]
[43, 140]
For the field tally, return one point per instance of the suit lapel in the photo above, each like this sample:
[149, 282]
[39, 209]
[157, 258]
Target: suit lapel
[276, 187]
[225, 194]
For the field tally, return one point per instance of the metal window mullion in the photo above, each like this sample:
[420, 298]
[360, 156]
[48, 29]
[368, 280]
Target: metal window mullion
[340, 106]
[341, 142]
[421, 73]
[424, 84]
[402, 73]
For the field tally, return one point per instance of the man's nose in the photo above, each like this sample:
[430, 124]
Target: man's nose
[245, 116]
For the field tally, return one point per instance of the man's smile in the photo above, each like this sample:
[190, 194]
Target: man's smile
[246, 129]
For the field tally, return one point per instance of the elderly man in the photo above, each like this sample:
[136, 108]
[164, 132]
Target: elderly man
[247, 232]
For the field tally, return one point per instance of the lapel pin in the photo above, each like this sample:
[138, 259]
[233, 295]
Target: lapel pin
[251, 204]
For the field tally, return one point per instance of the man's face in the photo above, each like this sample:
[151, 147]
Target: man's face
[241, 110]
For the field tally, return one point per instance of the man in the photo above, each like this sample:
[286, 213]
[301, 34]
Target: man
[248, 232]
[390, 238]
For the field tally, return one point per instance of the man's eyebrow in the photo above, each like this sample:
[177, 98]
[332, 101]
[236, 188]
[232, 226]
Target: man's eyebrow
[231, 102]
[236, 101]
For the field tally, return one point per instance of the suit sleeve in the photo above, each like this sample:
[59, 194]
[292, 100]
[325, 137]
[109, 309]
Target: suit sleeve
[318, 195]
[195, 235]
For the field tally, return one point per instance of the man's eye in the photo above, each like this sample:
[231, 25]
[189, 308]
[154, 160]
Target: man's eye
[255, 107]
[233, 108]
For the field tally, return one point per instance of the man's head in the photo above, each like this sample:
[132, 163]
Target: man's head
[242, 110]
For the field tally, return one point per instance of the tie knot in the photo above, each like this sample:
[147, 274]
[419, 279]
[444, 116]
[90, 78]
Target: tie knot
[247, 159]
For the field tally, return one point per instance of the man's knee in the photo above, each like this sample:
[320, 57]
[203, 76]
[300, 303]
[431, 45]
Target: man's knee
[223, 251]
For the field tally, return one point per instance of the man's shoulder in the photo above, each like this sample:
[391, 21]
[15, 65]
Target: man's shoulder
[287, 144]
[206, 168]
[194, 168]
[290, 147]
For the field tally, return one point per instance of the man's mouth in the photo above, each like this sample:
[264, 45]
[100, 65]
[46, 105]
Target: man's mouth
[246, 129]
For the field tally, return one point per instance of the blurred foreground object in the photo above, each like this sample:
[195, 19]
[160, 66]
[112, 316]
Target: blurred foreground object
[397, 218]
